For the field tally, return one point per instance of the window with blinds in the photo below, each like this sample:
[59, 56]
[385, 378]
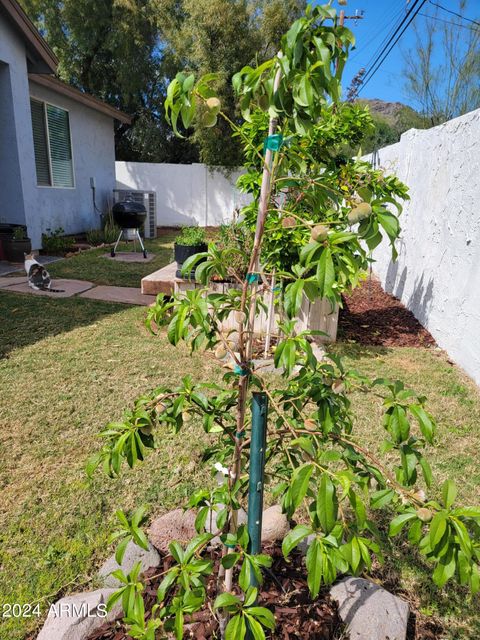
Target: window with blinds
[52, 145]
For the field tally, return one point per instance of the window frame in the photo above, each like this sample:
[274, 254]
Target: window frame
[45, 104]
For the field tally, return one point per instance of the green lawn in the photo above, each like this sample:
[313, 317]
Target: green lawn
[94, 267]
[70, 365]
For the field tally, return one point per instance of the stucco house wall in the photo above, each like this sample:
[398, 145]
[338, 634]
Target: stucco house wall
[437, 274]
[93, 151]
[14, 134]
[24, 52]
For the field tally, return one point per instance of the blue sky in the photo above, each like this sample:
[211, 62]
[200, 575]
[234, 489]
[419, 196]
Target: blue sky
[379, 18]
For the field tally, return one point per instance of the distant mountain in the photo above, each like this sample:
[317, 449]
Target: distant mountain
[391, 120]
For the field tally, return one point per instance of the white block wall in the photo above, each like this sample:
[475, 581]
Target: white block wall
[187, 194]
[437, 274]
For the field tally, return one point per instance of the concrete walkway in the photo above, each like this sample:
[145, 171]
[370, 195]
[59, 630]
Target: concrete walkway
[81, 288]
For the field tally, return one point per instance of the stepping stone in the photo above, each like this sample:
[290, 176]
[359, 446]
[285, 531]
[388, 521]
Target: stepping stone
[8, 282]
[126, 295]
[129, 256]
[68, 288]
[369, 611]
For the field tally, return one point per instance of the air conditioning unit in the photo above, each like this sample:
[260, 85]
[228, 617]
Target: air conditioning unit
[148, 199]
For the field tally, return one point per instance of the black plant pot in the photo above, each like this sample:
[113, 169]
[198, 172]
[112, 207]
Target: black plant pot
[182, 252]
[15, 250]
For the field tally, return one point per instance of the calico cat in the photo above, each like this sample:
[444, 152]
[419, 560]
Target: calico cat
[38, 277]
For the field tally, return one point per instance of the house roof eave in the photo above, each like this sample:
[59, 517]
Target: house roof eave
[33, 40]
[54, 84]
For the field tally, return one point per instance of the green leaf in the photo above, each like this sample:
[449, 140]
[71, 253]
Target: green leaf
[426, 470]
[236, 628]
[166, 583]
[381, 498]
[255, 628]
[294, 537]
[120, 550]
[426, 425]
[327, 504]
[314, 563]
[298, 488]
[293, 297]
[264, 615]
[438, 527]
[449, 493]
[398, 523]
[226, 600]
[325, 273]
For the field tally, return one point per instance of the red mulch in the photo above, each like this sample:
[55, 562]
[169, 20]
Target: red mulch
[284, 592]
[372, 317]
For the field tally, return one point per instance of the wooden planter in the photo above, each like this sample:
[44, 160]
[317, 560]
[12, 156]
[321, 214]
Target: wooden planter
[313, 316]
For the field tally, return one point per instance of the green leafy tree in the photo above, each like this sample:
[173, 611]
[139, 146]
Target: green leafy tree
[221, 36]
[110, 49]
[325, 478]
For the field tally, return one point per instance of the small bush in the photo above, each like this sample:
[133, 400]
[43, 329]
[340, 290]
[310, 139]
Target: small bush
[56, 242]
[95, 237]
[110, 232]
[191, 236]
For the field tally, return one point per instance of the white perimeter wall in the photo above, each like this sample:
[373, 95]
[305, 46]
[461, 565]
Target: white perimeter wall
[437, 274]
[187, 194]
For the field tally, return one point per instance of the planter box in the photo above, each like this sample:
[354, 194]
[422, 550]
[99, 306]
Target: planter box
[313, 316]
[15, 250]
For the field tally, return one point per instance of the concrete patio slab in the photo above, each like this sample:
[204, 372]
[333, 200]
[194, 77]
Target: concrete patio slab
[9, 267]
[8, 282]
[125, 295]
[129, 256]
[13, 267]
[68, 288]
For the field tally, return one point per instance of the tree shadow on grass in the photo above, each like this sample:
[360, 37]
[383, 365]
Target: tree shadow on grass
[26, 319]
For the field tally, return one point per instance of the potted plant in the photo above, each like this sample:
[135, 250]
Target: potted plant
[18, 244]
[189, 242]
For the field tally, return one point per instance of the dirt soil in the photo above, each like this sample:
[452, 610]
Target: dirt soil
[284, 592]
[372, 317]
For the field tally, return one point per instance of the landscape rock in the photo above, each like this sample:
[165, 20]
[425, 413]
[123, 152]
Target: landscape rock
[369, 611]
[274, 524]
[175, 525]
[133, 554]
[77, 616]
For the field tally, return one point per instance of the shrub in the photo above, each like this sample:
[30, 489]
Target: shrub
[56, 242]
[191, 236]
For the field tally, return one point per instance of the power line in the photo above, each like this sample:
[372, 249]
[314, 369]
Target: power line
[454, 13]
[408, 19]
[388, 40]
[455, 24]
[390, 27]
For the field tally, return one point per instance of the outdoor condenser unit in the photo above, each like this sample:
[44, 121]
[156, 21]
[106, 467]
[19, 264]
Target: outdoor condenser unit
[148, 199]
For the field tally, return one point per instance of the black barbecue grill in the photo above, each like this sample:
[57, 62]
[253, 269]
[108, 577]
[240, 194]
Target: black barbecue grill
[130, 216]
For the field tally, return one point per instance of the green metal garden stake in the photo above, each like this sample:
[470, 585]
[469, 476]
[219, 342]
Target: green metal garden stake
[257, 469]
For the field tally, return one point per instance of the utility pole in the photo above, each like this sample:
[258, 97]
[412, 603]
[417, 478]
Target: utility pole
[359, 14]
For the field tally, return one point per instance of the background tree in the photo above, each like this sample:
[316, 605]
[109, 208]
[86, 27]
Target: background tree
[126, 51]
[442, 70]
[221, 36]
